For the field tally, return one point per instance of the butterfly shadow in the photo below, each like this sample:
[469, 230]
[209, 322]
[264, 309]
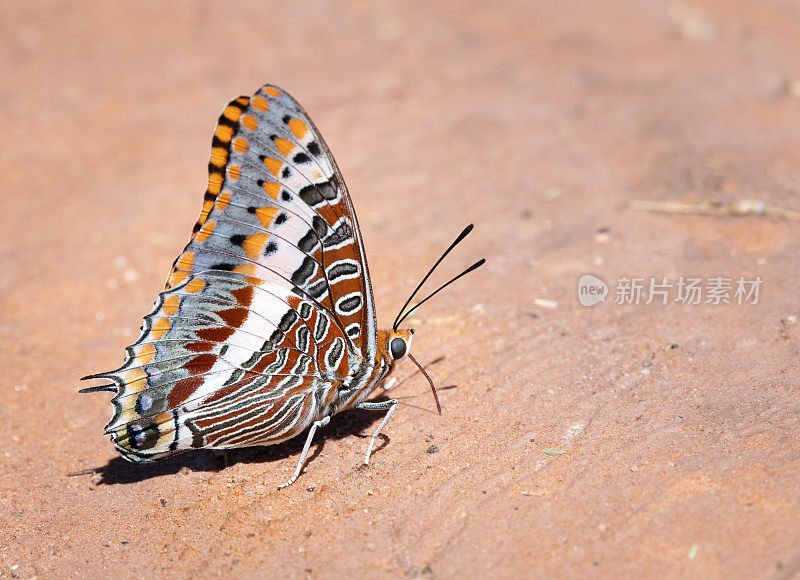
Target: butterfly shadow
[353, 422]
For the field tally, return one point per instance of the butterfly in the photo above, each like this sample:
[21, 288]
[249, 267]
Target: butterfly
[266, 325]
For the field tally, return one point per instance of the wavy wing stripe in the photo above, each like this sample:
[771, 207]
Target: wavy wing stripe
[267, 427]
[190, 391]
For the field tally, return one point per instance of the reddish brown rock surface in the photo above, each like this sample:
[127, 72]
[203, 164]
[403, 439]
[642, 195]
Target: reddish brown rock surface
[537, 120]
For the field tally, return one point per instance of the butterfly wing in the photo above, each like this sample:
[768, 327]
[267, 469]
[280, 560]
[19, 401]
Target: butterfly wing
[268, 308]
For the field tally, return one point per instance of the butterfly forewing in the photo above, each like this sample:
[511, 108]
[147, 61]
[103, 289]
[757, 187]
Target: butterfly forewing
[266, 311]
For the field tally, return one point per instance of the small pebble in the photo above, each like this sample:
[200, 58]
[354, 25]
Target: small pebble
[432, 449]
[552, 194]
[601, 236]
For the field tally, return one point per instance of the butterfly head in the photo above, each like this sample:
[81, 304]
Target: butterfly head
[399, 344]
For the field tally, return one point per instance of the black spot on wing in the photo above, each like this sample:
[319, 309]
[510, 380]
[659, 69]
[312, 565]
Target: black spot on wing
[302, 336]
[318, 288]
[287, 320]
[315, 194]
[308, 242]
[342, 233]
[349, 304]
[223, 266]
[321, 328]
[304, 272]
[340, 269]
[334, 354]
[320, 226]
[142, 434]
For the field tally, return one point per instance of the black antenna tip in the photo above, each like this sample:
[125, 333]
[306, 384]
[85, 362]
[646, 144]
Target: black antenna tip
[475, 266]
[464, 234]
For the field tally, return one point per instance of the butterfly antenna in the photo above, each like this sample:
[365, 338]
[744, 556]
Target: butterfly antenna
[460, 237]
[474, 266]
[433, 388]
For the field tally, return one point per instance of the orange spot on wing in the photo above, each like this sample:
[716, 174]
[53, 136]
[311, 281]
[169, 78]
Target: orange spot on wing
[234, 171]
[195, 285]
[298, 128]
[273, 188]
[205, 231]
[272, 91]
[135, 380]
[284, 146]
[224, 133]
[243, 101]
[241, 145]
[146, 354]
[185, 261]
[232, 112]
[247, 269]
[160, 326]
[214, 183]
[254, 245]
[223, 200]
[207, 205]
[273, 165]
[249, 122]
[171, 305]
[266, 214]
[219, 157]
[260, 103]
[177, 277]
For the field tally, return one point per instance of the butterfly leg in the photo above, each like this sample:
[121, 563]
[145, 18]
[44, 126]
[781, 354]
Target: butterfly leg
[321, 423]
[391, 404]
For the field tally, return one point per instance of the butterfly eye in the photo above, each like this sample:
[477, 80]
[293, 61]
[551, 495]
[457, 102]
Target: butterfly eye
[398, 348]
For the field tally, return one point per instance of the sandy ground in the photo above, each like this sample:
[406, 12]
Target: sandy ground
[540, 122]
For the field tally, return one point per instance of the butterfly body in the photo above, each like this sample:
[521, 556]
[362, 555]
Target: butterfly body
[266, 325]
